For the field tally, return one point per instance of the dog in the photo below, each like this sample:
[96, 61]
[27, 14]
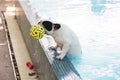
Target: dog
[65, 38]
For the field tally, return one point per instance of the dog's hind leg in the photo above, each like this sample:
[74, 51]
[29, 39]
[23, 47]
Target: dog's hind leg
[64, 51]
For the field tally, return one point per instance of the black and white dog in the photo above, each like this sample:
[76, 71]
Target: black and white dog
[65, 38]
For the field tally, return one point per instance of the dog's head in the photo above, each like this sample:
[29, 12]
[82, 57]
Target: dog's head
[49, 27]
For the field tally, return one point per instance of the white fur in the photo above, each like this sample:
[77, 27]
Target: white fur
[67, 41]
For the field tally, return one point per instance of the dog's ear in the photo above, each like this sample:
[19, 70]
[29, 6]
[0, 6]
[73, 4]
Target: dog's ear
[57, 26]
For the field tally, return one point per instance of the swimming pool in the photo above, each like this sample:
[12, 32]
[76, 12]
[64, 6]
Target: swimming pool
[96, 23]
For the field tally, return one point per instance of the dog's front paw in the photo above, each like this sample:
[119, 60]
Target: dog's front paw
[58, 50]
[60, 57]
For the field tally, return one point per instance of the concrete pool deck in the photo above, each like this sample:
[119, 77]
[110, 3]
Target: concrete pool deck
[6, 71]
[20, 50]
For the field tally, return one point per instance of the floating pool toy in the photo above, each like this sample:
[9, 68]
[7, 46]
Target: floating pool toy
[37, 32]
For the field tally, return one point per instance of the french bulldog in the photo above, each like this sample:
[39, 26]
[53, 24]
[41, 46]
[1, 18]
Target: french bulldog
[65, 38]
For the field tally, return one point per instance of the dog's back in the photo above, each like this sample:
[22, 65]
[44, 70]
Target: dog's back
[67, 36]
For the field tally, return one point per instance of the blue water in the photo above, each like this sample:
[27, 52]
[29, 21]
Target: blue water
[96, 23]
[98, 6]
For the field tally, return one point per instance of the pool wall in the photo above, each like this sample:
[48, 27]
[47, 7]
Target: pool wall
[39, 59]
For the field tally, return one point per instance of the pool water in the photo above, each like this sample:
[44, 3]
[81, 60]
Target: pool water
[96, 23]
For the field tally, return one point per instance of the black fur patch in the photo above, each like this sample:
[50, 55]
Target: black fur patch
[47, 25]
[57, 26]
